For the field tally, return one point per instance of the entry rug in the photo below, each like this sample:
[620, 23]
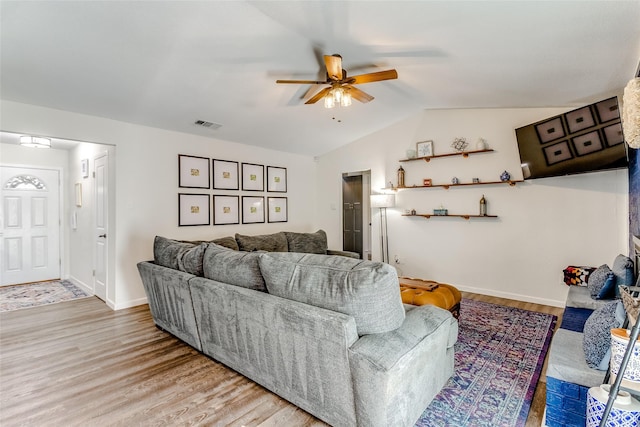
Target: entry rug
[34, 294]
[498, 360]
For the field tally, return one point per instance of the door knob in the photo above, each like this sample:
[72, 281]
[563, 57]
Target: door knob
[103, 235]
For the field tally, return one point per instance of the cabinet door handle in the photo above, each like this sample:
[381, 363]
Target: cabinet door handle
[103, 235]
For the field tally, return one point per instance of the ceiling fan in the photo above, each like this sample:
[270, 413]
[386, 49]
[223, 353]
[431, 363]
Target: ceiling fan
[341, 89]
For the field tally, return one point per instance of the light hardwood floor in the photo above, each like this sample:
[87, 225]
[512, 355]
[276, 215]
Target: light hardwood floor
[79, 363]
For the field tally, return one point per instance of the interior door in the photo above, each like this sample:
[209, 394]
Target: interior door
[101, 174]
[29, 225]
[352, 213]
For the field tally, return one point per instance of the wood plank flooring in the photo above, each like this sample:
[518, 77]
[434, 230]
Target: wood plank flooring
[79, 363]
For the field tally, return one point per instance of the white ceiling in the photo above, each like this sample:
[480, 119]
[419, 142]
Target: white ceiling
[166, 64]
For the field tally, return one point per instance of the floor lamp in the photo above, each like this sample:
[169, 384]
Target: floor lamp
[382, 202]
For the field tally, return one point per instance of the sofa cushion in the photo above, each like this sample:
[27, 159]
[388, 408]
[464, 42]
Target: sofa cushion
[227, 242]
[308, 243]
[597, 334]
[236, 268]
[623, 270]
[601, 283]
[366, 290]
[166, 252]
[190, 260]
[276, 242]
[579, 297]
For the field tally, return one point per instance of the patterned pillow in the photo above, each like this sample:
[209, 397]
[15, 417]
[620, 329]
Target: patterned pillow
[623, 270]
[601, 283]
[577, 276]
[596, 339]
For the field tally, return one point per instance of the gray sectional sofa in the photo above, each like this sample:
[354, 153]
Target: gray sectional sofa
[328, 333]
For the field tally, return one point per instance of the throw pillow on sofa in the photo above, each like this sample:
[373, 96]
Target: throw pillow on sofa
[596, 339]
[178, 255]
[577, 276]
[366, 290]
[623, 270]
[308, 243]
[233, 267]
[276, 242]
[601, 283]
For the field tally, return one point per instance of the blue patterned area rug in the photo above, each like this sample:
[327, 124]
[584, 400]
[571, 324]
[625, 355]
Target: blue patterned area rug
[498, 361]
[16, 297]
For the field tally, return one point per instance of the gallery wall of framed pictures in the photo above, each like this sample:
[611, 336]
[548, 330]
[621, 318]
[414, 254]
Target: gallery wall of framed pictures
[223, 192]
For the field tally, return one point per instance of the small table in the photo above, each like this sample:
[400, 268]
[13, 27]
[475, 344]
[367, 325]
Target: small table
[420, 292]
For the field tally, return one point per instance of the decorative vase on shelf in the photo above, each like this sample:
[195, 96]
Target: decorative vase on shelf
[483, 206]
[624, 413]
[400, 177]
[455, 180]
[505, 176]
[481, 144]
[619, 344]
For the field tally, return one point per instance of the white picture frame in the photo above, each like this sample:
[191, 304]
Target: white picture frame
[226, 210]
[252, 210]
[84, 168]
[193, 172]
[277, 209]
[424, 149]
[193, 209]
[225, 175]
[252, 177]
[276, 179]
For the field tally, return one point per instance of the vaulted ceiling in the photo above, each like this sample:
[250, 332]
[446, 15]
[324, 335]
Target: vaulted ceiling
[167, 64]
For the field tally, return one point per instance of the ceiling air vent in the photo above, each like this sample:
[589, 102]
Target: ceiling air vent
[209, 125]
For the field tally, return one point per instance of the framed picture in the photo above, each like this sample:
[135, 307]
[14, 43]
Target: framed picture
[426, 182]
[226, 210]
[193, 209]
[587, 143]
[277, 209]
[252, 209]
[193, 172]
[84, 168]
[276, 179]
[252, 177]
[225, 175]
[613, 134]
[579, 119]
[550, 130]
[424, 148]
[557, 153]
[608, 110]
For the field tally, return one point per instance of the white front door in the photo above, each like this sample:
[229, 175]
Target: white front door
[101, 172]
[29, 225]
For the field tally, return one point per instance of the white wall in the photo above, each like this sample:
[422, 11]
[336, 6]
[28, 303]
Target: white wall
[542, 226]
[146, 185]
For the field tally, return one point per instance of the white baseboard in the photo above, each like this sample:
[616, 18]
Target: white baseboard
[508, 295]
[128, 304]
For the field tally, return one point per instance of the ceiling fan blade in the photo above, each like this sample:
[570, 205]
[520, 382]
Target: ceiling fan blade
[318, 96]
[374, 77]
[302, 82]
[334, 66]
[359, 95]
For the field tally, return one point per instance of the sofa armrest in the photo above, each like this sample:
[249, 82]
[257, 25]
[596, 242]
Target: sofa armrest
[397, 374]
[355, 255]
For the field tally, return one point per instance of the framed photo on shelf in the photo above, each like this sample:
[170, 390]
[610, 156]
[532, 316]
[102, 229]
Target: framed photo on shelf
[276, 179]
[252, 209]
[225, 175]
[277, 209]
[226, 210]
[193, 172]
[424, 148]
[252, 177]
[193, 209]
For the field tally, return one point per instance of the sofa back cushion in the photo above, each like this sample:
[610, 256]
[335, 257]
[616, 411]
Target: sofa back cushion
[308, 243]
[366, 290]
[276, 242]
[183, 256]
[233, 267]
[623, 270]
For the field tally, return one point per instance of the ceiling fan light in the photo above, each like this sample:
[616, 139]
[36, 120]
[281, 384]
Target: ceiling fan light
[329, 101]
[346, 99]
[337, 95]
[35, 141]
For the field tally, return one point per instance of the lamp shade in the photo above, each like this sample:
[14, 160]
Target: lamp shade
[631, 113]
[383, 200]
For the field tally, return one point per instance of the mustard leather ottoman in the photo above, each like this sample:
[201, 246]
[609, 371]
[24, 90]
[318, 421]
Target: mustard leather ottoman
[421, 292]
